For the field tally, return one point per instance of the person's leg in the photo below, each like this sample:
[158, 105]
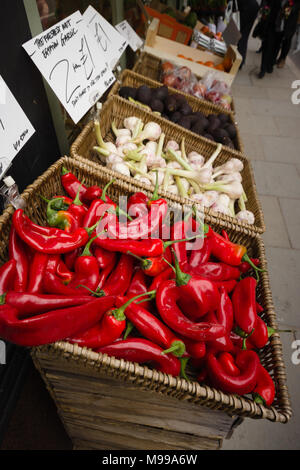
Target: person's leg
[248, 15]
[285, 49]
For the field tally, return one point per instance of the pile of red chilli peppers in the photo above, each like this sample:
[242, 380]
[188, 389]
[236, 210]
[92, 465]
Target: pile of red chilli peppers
[146, 300]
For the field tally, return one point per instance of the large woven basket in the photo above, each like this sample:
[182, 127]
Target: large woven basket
[142, 377]
[150, 66]
[117, 109]
[132, 79]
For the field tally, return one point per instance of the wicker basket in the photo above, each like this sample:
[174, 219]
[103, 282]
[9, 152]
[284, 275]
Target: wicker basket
[132, 79]
[117, 109]
[149, 66]
[138, 376]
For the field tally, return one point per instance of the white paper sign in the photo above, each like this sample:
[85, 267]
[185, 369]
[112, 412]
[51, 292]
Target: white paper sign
[69, 59]
[111, 43]
[15, 127]
[134, 41]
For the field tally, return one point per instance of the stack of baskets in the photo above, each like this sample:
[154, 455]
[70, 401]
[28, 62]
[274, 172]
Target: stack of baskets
[107, 403]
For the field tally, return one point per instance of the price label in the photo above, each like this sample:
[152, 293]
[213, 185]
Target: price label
[69, 59]
[15, 127]
[134, 41]
[110, 42]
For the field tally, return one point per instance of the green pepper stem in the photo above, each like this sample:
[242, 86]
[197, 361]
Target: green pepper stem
[184, 361]
[205, 226]
[124, 306]
[64, 171]
[95, 293]
[87, 250]
[77, 201]
[177, 348]
[2, 299]
[129, 329]
[171, 242]
[103, 195]
[144, 261]
[182, 278]
[258, 399]
[248, 260]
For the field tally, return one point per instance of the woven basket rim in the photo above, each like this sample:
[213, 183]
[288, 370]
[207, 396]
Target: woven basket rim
[194, 101]
[187, 390]
[258, 227]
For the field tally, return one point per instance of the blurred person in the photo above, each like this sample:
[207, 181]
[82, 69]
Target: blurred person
[275, 26]
[248, 12]
[287, 35]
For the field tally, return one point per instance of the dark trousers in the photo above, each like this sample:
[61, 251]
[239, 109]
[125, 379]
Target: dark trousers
[270, 49]
[248, 13]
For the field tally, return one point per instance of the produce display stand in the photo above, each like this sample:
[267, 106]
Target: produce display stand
[167, 49]
[149, 66]
[116, 109]
[132, 79]
[105, 403]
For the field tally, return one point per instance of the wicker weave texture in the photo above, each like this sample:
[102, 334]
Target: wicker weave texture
[48, 185]
[132, 79]
[117, 109]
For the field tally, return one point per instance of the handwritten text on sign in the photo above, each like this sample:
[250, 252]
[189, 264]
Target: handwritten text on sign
[15, 127]
[134, 41]
[68, 57]
[111, 43]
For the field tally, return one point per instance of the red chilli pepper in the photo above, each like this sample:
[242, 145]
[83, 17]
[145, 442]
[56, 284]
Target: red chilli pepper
[226, 361]
[53, 284]
[36, 273]
[244, 304]
[108, 330]
[34, 304]
[248, 364]
[7, 275]
[51, 326]
[264, 392]
[64, 272]
[138, 285]
[216, 271]
[142, 351]
[71, 184]
[45, 241]
[86, 271]
[120, 278]
[17, 251]
[150, 326]
[201, 255]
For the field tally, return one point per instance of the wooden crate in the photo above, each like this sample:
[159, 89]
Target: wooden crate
[116, 109]
[169, 50]
[133, 79]
[149, 66]
[106, 403]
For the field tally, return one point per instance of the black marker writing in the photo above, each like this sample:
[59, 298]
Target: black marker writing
[65, 62]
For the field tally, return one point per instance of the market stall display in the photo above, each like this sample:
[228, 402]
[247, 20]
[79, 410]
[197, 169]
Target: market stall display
[64, 179]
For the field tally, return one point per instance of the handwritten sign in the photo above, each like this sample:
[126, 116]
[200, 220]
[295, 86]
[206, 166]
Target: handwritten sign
[69, 59]
[134, 41]
[15, 127]
[111, 43]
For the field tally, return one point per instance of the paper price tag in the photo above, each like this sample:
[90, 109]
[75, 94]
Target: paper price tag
[69, 59]
[111, 43]
[134, 41]
[15, 127]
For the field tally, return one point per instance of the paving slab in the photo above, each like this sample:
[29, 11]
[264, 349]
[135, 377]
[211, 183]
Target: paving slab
[281, 149]
[276, 179]
[276, 234]
[291, 214]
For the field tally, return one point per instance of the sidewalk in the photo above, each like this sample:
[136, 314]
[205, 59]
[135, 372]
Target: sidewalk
[270, 129]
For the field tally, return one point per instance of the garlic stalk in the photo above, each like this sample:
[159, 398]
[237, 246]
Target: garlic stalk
[183, 152]
[100, 141]
[179, 159]
[181, 189]
[234, 189]
[201, 177]
[211, 159]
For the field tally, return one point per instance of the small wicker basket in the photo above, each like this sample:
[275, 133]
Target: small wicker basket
[141, 377]
[149, 66]
[132, 79]
[116, 109]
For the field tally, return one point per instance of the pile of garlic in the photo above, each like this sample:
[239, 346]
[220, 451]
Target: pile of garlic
[141, 151]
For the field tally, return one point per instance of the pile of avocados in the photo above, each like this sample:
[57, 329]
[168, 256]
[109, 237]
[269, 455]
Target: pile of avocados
[175, 107]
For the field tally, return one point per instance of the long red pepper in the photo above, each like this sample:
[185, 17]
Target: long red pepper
[226, 360]
[216, 271]
[248, 364]
[71, 184]
[244, 304]
[36, 272]
[7, 275]
[167, 296]
[53, 284]
[17, 251]
[46, 242]
[119, 280]
[64, 272]
[86, 271]
[138, 285]
[53, 325]
[201, 255]
[34, 304]
[264, 391]
[142, 351]
[223, 343]
[150, 326]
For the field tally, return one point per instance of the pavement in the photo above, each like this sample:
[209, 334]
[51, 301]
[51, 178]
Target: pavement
[270, 128]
